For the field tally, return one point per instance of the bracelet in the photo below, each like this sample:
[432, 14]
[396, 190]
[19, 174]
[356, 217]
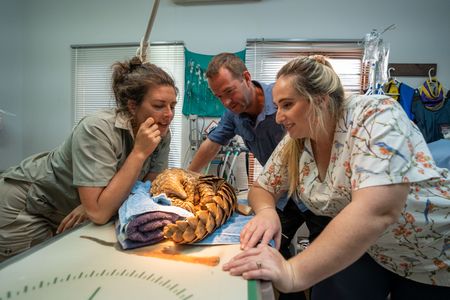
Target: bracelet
[265, 207]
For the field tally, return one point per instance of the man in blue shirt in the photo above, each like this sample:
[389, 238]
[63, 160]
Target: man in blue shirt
[250, 113]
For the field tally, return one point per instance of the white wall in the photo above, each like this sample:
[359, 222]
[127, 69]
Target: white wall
[11, 88]
[35, 71]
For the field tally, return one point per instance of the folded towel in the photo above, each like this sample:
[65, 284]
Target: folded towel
[142, 217]
[149, 227]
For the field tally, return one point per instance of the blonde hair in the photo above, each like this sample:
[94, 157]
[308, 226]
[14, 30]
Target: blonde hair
[312, 77]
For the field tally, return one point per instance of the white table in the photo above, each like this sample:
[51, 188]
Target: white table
[87, 263]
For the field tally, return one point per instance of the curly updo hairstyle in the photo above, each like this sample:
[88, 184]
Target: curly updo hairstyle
[132, 79]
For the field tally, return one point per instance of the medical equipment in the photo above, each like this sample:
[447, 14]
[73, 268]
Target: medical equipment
[226, 166]
[376, 57]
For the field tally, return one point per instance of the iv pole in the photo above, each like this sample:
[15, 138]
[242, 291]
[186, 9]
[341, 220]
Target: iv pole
[142, 50]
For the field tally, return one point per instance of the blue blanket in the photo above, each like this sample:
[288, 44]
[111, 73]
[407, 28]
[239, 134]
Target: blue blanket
[440, 150]
[142, 218]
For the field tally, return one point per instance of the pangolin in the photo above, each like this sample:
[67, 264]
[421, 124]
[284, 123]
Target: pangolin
[211, 199]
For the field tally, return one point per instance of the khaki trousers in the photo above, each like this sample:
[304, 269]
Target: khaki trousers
[19, 230]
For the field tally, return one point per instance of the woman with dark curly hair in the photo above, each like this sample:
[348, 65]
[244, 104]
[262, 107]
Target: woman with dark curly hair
[93, 171]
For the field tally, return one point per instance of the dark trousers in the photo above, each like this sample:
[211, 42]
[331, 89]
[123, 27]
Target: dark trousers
[291, 219]
[366, 279]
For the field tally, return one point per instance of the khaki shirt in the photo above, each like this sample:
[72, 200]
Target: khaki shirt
[90, 156]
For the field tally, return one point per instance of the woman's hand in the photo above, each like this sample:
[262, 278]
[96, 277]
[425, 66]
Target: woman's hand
[147, 138]
[263, 262]
[264, 227]
[74, 218]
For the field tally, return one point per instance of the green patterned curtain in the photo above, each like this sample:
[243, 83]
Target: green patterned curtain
[198, 99]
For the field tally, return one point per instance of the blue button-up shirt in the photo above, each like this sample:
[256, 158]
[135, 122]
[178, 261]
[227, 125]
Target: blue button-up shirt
[260, 136]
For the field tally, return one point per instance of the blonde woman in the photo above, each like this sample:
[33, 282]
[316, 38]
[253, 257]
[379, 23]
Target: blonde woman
[361, 161]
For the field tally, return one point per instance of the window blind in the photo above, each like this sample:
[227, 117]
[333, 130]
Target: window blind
[91, 81]
[265, 57]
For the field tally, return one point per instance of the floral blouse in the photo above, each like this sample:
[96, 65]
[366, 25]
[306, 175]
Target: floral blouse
[375, 144]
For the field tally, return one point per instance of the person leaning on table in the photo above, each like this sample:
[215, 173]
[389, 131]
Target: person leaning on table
[362, 162]
[93, 171]
[250, 113]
